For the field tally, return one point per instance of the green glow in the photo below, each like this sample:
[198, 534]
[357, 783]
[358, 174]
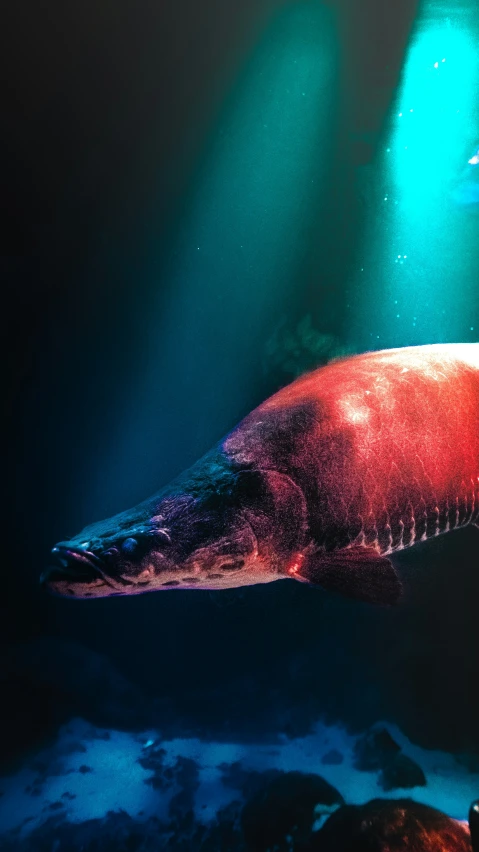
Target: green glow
[246, 223]
[433, 116]
[236, 260]
[249, 217]
[417, 276]
[249, 220]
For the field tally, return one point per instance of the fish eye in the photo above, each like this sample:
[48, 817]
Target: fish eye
[129, 545]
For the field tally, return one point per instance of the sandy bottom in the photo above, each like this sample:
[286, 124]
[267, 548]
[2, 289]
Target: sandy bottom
[88, 772]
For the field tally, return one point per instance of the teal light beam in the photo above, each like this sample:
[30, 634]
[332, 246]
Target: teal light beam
[416, 280]
[234, 265]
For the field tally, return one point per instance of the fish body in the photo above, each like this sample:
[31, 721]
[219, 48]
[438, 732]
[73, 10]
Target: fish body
[323, 482]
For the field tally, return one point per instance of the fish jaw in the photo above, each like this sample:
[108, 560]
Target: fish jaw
[78, 572]
[117, 556]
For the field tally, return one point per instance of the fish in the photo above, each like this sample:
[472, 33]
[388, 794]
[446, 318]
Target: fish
[323, 483]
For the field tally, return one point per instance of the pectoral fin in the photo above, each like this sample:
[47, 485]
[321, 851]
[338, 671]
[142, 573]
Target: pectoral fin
[356, 572]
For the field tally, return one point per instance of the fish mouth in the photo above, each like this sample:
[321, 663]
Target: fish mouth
[77, 566]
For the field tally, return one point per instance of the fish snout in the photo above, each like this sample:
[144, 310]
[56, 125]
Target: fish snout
[73, 567]
[119, 565]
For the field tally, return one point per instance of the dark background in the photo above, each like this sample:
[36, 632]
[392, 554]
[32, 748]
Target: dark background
[106, 114]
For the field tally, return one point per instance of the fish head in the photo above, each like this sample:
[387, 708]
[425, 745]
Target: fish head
[202, 535]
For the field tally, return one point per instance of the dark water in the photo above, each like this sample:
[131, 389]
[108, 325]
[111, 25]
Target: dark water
[196, 215]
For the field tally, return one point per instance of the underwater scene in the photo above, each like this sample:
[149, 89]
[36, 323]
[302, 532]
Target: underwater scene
[240, 579]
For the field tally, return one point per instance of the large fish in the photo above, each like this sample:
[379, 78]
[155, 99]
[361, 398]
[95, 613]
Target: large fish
[323, 482]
